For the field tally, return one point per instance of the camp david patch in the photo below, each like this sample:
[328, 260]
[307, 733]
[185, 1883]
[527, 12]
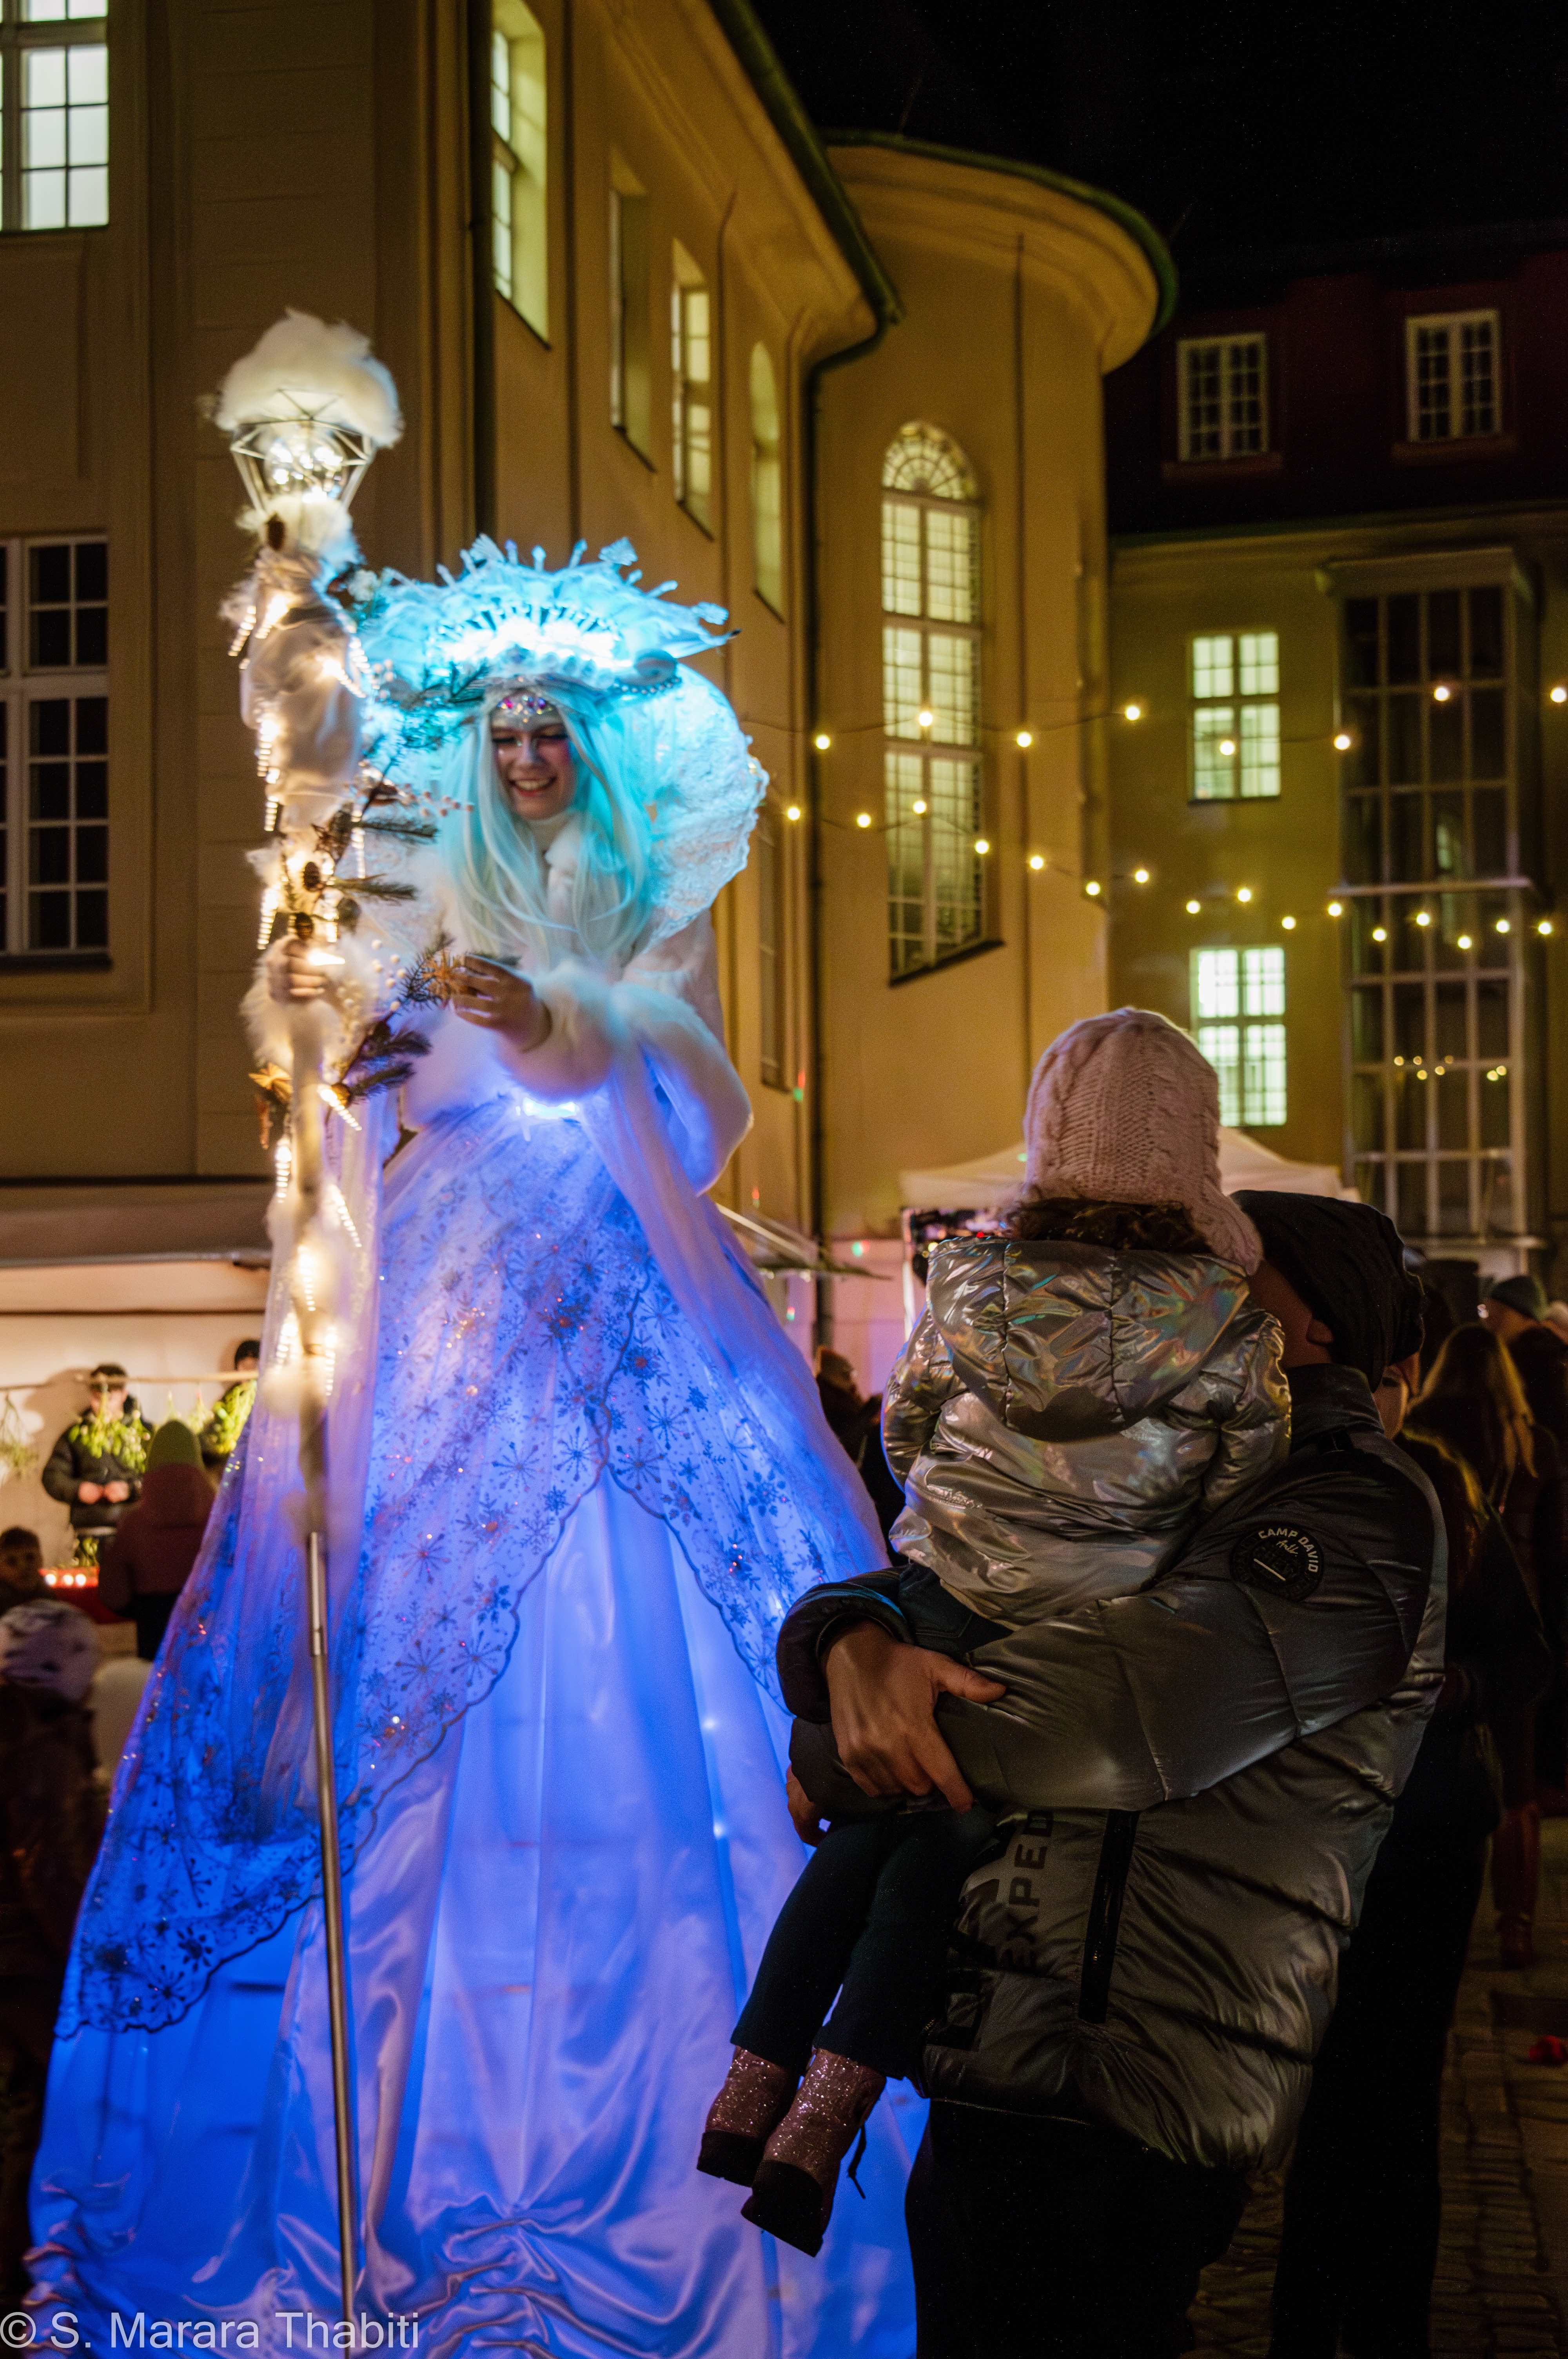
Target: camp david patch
[1280, 1558]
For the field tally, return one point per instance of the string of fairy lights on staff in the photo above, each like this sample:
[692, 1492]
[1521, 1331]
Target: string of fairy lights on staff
[1342, 742]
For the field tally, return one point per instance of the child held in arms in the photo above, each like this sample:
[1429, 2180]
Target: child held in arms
[1081, 1389]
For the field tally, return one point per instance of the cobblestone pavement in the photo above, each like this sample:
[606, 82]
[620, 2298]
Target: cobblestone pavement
[1502, 2270]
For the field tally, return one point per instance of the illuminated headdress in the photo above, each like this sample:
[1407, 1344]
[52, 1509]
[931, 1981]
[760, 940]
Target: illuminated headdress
[610, 656]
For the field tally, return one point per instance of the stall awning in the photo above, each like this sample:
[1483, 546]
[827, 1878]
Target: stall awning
[141, 1222]
[992, 1179]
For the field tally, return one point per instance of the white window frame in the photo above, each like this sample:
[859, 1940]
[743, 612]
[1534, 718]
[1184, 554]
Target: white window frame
[1240, 708]
[22, 686]
[932, 778]
[1452, 324]
[694, 420]
[80, 24]
[630, 386]
[520, 226]
[1239, 434]
[1237, 1010]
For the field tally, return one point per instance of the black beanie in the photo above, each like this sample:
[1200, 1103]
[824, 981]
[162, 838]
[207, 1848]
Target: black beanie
[1346, 1262]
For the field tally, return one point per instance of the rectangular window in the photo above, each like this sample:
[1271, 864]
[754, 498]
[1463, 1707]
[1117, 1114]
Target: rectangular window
[631, 396]
[1223, 386]
[54, 114]
[1238, 998]
[519, 157]
[1452, 376]
[770, 961]
[54, 746]
[1235, 733]
[1436, 914]
[691, 365]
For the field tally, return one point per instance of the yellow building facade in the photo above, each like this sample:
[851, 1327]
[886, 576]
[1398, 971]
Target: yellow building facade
[623, 291]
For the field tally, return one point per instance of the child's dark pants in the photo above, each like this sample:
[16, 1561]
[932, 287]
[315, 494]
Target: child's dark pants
[870, 1920]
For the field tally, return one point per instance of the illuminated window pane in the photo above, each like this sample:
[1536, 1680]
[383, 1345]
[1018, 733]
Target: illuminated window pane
[1221, 1044]
[930, 562]
[64, 136]
[1263, 1075]
[951, 590]
[1216, 982]
[1263, 982]
[1214, 666]
[691, 365]
[901, 557]
[1260, 664]
[1260, 750]
[1214, 773]
[902, 681]
[1452, 370]
[767, 482]
[519, 160]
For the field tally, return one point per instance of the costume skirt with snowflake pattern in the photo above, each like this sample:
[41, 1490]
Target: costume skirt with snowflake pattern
[562, 1812]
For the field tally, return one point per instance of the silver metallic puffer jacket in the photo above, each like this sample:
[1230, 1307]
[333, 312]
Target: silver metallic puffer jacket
[1064, 1413]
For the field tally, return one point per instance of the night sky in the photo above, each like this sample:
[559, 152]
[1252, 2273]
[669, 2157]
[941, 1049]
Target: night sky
[1232, 124]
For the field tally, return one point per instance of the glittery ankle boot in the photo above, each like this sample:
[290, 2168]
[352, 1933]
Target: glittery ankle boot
[792, 2195]
[755, 2096]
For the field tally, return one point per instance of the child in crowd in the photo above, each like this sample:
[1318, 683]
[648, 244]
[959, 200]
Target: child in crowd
[1079, 1391]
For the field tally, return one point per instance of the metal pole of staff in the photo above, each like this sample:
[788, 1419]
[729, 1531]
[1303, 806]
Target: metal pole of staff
[304, 1135]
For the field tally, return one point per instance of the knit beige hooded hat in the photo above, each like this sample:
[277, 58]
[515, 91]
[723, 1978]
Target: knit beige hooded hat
[1124, 1108]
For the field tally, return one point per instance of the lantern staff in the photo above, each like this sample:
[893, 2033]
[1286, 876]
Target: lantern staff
[306, 412]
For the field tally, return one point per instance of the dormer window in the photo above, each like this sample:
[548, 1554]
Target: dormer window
[1223, 383]
[1452, 378]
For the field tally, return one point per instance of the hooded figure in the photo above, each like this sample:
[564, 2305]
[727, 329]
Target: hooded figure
[149, 1560]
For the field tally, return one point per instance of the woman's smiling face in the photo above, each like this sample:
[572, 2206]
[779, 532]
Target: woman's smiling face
[534, 762]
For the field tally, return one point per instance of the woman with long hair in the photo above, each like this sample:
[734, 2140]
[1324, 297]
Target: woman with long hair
[577, 1474]
[1474, 1401]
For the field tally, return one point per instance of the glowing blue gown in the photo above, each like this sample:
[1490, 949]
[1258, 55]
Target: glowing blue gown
[591, 1475]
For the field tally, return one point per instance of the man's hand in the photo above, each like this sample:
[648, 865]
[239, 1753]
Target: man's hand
[804, 1812]
[89, 1493]
[116, 1492]
[883, 1696]
[493, 997]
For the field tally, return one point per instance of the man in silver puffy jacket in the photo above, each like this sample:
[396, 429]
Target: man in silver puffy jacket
[1196, 1778]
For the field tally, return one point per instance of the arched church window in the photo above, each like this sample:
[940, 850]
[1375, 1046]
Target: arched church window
[931, 699]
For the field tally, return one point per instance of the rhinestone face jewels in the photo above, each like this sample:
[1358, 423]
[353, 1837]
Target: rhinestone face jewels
[522, 704]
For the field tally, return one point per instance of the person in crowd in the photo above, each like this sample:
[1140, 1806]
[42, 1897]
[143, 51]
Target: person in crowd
[222, 1430]
[21, 1567]
[857, 1420]
[51, 1814]
[148, 1562]
[96, 1465]
[1363, 2203]
[1517, 1310]
[1198, 1779]
[1475, 1401]
[1080, 1390]
[1437, 1325]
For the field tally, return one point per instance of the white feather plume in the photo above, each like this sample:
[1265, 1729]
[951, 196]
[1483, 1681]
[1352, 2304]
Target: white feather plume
[303, 364]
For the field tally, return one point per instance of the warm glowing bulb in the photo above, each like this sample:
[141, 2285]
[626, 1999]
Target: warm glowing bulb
[1342, 741]
[1336, 908]
[1228, 745]
[1140, 877]
[1244, 893]
[1289, 924]
[1423, 917]
[1037, 860]
[983, 844]
[926, 716]
[1560, 694]
[1092, 889]
[792, 810]
[1133, 711]
[1504, 927]
[1441, 693]
[918, 809]
[1543, 925]
[822, 741]
[1380, 933]
[863, 819]
[1026, 738]
[1193, 908]
[1464, 941]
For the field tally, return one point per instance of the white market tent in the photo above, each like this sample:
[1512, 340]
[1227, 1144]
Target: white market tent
[990, 1178]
